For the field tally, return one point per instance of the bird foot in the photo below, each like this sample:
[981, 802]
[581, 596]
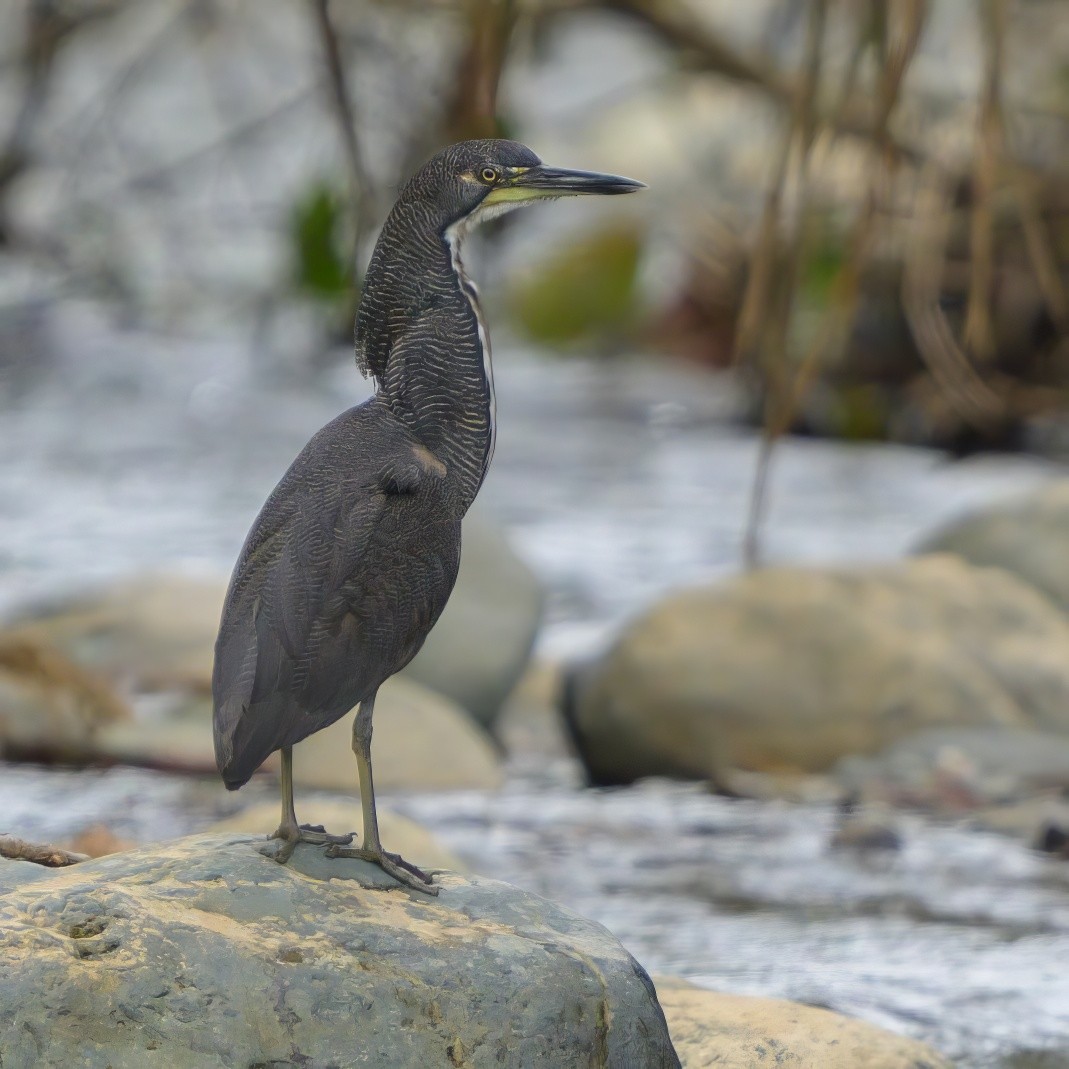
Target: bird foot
[316, 834]
[404, 872]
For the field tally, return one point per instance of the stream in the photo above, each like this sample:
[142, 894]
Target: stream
[617, 480]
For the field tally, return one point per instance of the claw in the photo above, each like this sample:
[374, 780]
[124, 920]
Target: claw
[404, 872]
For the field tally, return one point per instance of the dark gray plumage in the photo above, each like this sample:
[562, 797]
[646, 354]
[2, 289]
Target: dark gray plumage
[354, 555]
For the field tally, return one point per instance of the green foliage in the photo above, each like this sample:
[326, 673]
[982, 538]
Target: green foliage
[861, 413]
[822, 265]
[318, 228]
[584, 290]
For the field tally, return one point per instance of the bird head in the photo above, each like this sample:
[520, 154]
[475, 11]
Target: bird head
[473, 181]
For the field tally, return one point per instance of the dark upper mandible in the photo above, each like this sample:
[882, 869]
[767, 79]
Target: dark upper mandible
[498, 174]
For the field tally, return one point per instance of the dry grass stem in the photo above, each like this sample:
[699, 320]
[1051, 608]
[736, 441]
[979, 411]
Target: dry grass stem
[971, 398]
[979, 332]
[342, 104]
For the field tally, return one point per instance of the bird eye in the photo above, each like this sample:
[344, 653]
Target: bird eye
[488, 175]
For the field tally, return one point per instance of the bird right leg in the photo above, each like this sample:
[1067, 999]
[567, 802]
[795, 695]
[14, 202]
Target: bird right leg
[404, 872]
[289, 831]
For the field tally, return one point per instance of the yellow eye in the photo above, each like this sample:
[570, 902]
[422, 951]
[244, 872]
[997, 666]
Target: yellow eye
[488, 175]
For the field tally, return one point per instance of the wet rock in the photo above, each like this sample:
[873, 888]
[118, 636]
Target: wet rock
[480, 646]
[793, 668]
[1029, 537]
[49, 706]
[399, 834]
[205, 953]
[711, 1029]
[955, 769]
[866, 829]
[1053, 838]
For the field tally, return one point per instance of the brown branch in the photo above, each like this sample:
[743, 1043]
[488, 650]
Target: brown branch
[472, 111]
[833, 332]
[973, 400]
[1040, 253]
[676, 27]
[54, 857]
[755, 303]
[341, 100]
[979, 332]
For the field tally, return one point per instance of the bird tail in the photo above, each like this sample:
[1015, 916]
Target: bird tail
[226, 722]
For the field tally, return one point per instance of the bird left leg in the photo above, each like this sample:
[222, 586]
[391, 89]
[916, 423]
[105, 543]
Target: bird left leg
[289, 831]
[404, 872]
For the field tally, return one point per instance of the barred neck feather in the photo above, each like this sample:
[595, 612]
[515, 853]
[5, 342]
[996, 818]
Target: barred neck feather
[420, 333]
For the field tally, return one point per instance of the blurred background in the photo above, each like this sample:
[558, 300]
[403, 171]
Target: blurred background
[760, 653]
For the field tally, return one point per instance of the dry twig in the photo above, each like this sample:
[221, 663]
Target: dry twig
[799, 138]
[705, 50]
[341, 100]
[973, 400]
[979, 332]
[53, 857]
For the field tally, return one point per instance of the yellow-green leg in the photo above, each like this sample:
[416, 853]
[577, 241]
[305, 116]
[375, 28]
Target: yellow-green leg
[289, 831]
[371, 848]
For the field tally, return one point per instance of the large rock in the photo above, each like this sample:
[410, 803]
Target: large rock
[1029, 537]
[793, 668]
[149, 632]
[204, 953]
[422, 741]
[480, 646]
[157, 633]
[49, 706]
[719, 1031]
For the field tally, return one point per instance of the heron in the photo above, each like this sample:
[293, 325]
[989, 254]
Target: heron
[355, 553]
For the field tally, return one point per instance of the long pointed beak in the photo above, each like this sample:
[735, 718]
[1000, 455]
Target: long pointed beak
[544, 181]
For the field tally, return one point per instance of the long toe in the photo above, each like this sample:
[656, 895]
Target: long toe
[317, 834]
[396, 859]
[289, 835]
[393, 865]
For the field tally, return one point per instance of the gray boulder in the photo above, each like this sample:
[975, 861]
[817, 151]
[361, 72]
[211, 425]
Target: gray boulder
[50, 706]
[203, 953]
[1028, 536]
[480, 646]
[794, 668]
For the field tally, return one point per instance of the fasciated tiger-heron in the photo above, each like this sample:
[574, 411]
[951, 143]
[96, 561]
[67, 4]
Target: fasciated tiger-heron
[355, 553]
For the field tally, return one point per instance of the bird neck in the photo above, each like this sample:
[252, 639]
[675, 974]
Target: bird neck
[420, 332]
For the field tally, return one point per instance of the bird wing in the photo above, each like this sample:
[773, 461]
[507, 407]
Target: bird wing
[291, 590]
[318, 612]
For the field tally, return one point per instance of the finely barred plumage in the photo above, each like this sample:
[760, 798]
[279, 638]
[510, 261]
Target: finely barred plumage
[355, 553]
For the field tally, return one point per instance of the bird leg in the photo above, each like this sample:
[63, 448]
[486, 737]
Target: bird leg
[371, 849]
[289, 831]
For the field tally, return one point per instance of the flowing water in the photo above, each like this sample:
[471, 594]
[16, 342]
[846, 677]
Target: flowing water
[617, 480]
